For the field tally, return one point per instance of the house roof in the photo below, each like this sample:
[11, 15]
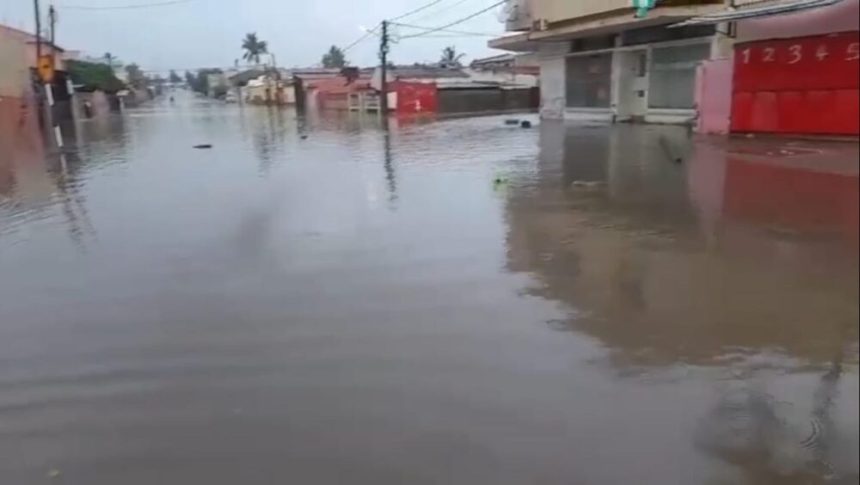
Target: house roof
[426, 72]
[242, 77]
[28, 37]
[338, 84]
[494, 59]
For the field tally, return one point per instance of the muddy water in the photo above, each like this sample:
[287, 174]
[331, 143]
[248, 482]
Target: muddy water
[456, 302]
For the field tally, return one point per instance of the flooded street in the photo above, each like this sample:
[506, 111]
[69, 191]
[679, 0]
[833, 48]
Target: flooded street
[453, 302]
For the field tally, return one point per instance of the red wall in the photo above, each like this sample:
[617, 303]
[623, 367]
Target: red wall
[801, 85]
[415, 98]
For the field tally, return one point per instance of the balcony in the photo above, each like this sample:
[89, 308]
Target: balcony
[525, 14]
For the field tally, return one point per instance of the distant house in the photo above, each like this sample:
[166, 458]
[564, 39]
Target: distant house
[334, 89]
[431, 89]
[517, 63]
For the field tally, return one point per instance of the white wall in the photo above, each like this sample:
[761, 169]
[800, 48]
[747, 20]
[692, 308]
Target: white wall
[552, 90]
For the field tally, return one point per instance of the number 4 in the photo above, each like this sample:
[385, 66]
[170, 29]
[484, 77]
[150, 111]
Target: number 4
[821, 53]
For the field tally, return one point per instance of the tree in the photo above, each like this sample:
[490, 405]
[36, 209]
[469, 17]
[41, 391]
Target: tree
[93, 76]
[253, 48]
[190, 79]
[135, 76]
[450, 58]
[334, 58]
[174, 78]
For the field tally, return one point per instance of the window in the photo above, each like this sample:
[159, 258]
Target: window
[673, 75]
[587, 80]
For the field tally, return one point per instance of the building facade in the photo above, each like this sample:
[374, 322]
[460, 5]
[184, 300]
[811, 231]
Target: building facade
[598, 61]
[678, 63]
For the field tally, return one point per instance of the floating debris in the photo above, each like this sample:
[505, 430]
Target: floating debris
[526, 124]
[587, 184]
[512, 122]
[202, 146]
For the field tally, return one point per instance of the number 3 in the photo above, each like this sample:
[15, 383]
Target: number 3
[796, 52]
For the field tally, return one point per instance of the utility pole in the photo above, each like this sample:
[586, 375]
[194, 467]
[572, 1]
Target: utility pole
[52, 17]
[383, 56]
[38, 31]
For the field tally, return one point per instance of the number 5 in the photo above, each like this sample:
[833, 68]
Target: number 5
[796, 52]
[853, 52]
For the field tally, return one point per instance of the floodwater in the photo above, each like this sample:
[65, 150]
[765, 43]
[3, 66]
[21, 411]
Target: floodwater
[453, 302]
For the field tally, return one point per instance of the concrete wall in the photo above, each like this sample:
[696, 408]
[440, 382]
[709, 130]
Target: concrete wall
[14, 67]
[714, 96]
[552, 90]
[841, 17]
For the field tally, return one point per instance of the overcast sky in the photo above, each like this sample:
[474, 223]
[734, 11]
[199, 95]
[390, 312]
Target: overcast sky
[204, 33]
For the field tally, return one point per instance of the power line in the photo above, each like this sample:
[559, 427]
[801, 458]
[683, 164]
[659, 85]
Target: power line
[436, 29]
[437, 12]
[434, 2]
[123, 7]
[360, 39]
[456, 22]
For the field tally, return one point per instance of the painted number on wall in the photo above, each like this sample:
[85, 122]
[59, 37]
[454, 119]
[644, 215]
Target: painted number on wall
[818, 63]
[795, 53]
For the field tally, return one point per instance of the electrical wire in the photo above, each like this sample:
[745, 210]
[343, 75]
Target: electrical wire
[437, 12]
[360, 39]
[123, 7]
[456, 22]
[426, 6]
[449, 31]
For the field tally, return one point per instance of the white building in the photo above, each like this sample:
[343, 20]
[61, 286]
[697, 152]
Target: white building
[599, 61]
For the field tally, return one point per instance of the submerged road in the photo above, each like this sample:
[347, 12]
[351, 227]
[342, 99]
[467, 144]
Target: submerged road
[316, 301]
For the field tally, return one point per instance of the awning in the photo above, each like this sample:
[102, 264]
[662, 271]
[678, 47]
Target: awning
[734, 14]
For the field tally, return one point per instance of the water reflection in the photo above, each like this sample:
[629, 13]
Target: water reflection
[666, 271]
[742, 259]
[372, 304]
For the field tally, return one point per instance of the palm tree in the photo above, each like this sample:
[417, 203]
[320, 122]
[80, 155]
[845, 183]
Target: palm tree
[450, 58]
[253, 48]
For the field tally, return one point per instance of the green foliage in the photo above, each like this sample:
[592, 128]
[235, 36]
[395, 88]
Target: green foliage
[334, 58]
[174, 78]
[450, 58]
[93, 76]
[253, 48]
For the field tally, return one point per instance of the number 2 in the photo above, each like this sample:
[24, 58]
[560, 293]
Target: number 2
[769, 54]
[796, 52]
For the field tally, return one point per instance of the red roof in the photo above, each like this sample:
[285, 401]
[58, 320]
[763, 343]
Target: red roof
[338, 85]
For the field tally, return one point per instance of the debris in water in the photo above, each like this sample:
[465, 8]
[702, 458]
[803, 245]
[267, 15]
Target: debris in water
[202, 146]
[304, 137]
[526, 124]
[669, 151]
[512, 122]
[586, 184]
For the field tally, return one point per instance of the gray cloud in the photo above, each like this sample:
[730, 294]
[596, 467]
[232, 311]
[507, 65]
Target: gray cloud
[203, 33]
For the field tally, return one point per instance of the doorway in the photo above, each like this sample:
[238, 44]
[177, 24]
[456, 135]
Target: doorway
[633, 85]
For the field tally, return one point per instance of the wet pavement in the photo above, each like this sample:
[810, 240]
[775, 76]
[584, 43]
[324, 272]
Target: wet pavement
[455, 302]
